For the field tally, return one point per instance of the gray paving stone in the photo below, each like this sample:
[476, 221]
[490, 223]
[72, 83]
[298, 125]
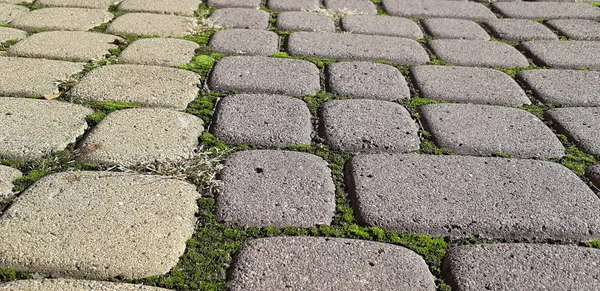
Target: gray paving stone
[366, 80]
[356, 6]
[435, 8]
[276, 188]
[8, 12]
[240, 18]
[356, 47]
[522, 266]
[76, 46]
[245, 42]
[58, 18]
[519, 29]
[478, 53]
[593, 173]
[159, 51]
[293, 5]
[564, 87]
[548, 10]
[73, 285]
[462, 196]
[94, 4]
[152, 25]
[318, 263]
[468, 85]
[572, 54]
[485, 130]
[33, 128]
[304, 21]
[7, 176]
[581, 124]
[578, 29]
[381, 25]
[179, 7]
[152, 86]
[454, 28]
[7, 33]
[256, 74]
[234, 3]
[99, 225]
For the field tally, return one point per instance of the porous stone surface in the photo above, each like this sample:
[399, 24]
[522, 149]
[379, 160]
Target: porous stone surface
[593, 173]
[366, 80]
[462, 196]
[98, 225]
[468, 85]
[73, 285]
[519, 29]
[454, 28]
[335, 263]
[293, 5]
[180, 7]
[8, 12]
[152, 25]
[578, 29]
[7, 33]
[59, 18]
[159, 51]
[304, 21]
[581, 124]
[152, 86]
[353, 6]
[276, 188]
[478, 53]
[264, 120]
[257, 74]
[7, 176]
[381, 25]
[548, 10]
[245, 42]
[564, 54]
[234, 3]
[563, 87]
[368, 126]
[94, 4]
[356, 47]
[527, 266]
[437, 9]
[31, 128]
[485, 130]
[240, 18]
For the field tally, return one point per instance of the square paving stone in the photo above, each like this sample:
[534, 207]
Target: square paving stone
[581, 124]
[304, 21]
[368, 126]
[159, 51]
[8, 12]
[151, 86]
[366, 80]
[98, 225]
[7, 33]
[571, 54]
[563, 87]
[234, 3]
[245, 42]
[454, 28]
[462, 196]
[435, 8]
[240, 18]
[7, 176]
[276, 188]
[318, 263]
[152, 25]
[73, 285]
[519, 29]
[522, 266]
[356, 6]
[94, 4]
[31, 128]
[478, 53]
[180, 7]
[486, 130]
[62, 19]
[293, 5]
[548, 10]
[578, 29]
[263, 120]
[381, 25]
[468, 85]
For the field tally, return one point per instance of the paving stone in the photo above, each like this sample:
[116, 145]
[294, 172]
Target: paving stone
[356, 6]
[522, 266]
[356, 47]
[7, 33]
[581, 124]
[240, 18]
[435, 8]
[485, 130]
[59, 18]
[245, 42]
[152, 86]
[234, 3]
[318, 263]
[593, 173]
[152, 25]
[94, 4]
[15, 1]
[548, 10]
[256, 74]
[478, 53]
[276, 188]
[454, 28]
[99, 225]
[564, 54]
[304, 21]
[578, 29]
[180, 7]
[468, 85]
[519, 29]
[76, 46]
[293, 5]
[159, 51]
[73, 285]
[33, 128]
[564, 87]
[7, 176]
[368, 126]
[8, 12]
[462, 196]
[381, 25]
[366, 80]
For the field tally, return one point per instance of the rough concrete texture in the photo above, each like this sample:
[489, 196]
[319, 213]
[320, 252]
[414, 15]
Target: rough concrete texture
[152, 86]
[152, 25]
[129, 137]
[245, 42]
[593, 173]
[318, 263]
[7, 176]
[304, 21]
[353, 6]
[468, 85]
[381, 25]
[581, 124]
[366, 80]
[159, 51]
[437, 9]
[31, 129]
[7, 33]
[240, 18]
[564, 54]
[548, 10]
[73, 285]
[563, 87]
[15, 1]
[454, 28]
[276, 188]
[368, 126]
[522, 266]
[578, 29]
[94, 4]
[478, 53]
[234, 3]
[519, 29]
[263, 120]
[98, 225]
[58, 18]
[293, 5]
[256, 74]
[461, 196]
[356, 47]
[8, 12]
[179, 7]
[486, 130]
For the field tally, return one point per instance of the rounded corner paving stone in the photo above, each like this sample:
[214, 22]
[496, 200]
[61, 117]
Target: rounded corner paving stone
[179, 7]
[59, 18]
[547, 10]
[7, 34]
[381, 25]
[7, 176]
[478, 53]
[437, 9]
[241, 18]
[8, 12]
[305, 21]
[577, 29]
[572, 54]
[234, 3]
[245, 42]
[72, 285]
[293, 5]
[152, 25]
[582, 124]
[454, 29]
[519, 29]
[170, 52]
[564, 87]
[353, 6]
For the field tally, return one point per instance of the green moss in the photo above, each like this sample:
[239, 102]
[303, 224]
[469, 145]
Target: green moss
[415, 102]
[95, 117]
[30, 6]
[511, 43]
[433, 60]
[537, 110]
[594, 244]
[576, 160]
[425, 40]
[540, 20]
[12, 275]
[513, 71]
[201, 37]
[100, 28]
[502, 155]
[442, 286]
[281, 55]
[107, 107]
[314, 101]
[203, 105]
[202, 63]
[429, 148]
[376, 2]
[210, 141]
[4, 24]
[93, 65]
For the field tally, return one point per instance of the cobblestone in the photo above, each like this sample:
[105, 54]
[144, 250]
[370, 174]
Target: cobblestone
[58, 18]
[478, 53]
[159, 51]
[234, 3]
[563, 87]
[7, 33]
[7, 176]
[94, 4]
[434, 8]
[72, 285]
[519, 30]
[150, 24]
[355, 6]
[245, 42]
[293, 5]
[381, 25]
[577, 29]
[240, 18]
[565, 54]
[581, 124]
[8, 12]
[304, 21]
[548, 10]
[180, 7]
[454, 28]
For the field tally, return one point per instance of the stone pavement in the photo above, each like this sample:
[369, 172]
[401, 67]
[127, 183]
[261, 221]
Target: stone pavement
[299, 145]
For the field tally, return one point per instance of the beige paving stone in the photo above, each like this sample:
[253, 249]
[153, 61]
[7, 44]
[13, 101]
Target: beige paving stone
[8, 12]
[7, 175]
[15, 1]
[7, 33]
[180, 7]
[94, 4]
[58, 18]
[159, 51]
[73, 285]
[152, 24]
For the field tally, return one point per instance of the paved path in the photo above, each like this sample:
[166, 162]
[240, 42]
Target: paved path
[299, 145]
